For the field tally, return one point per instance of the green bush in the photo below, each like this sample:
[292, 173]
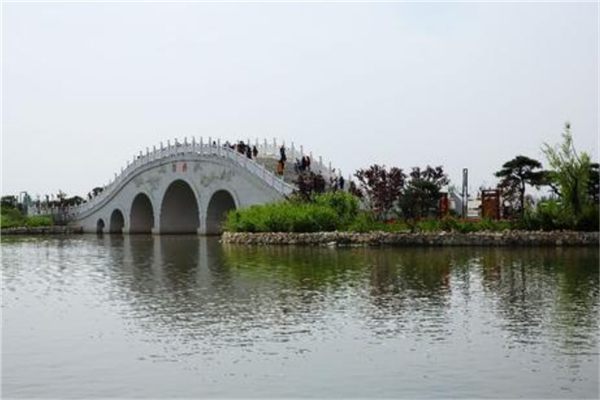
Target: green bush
[38, 220]
[364, 222]
[589, 219]
[10, 218]
[283, 217]
[547, 216]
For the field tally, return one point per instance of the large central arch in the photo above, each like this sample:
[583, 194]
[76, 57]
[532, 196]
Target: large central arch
[179, 209]
[117, 222]
[142, 215]
[220, 202]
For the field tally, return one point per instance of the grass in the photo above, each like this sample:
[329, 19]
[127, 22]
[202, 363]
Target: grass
[12, 218]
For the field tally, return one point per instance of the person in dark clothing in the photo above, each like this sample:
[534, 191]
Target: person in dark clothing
[341, 182]
[248, 152]
[241, 147]
[254, 151]
[282, 157]
[303, 164]
[308, 163]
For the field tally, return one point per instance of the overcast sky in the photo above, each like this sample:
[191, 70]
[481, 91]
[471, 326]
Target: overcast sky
[85, 86]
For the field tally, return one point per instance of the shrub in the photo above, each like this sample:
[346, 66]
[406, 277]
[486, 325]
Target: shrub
[38, 220]
[547, 216]
[345, 205]
[10, 218]
[589, 219]
[290, 216]
[364, 222]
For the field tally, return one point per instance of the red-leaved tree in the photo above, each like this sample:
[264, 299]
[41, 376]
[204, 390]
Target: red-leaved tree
[381, 188]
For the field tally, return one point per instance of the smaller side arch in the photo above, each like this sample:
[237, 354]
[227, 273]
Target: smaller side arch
[100, 226]
[219, 204]
[117, 222]
[141, 214]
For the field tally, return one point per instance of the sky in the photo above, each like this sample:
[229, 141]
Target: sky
[85, 86]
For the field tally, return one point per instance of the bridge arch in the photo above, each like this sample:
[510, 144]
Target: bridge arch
[100, 226]
[219, 204]
[117, 221]
[179, 211]
[141, 216]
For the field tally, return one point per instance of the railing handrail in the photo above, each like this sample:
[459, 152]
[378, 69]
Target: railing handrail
[211, 148]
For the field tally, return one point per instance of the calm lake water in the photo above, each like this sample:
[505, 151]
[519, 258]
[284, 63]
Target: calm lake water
[184, 316]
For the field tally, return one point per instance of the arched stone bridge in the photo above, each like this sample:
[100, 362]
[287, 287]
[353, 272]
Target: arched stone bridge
[186, 187]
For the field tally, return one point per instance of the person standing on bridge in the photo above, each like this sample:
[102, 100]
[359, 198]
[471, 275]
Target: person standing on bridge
[282, 157]
[254, 151]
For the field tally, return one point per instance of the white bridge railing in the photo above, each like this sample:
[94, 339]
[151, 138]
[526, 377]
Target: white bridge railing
[210, 147]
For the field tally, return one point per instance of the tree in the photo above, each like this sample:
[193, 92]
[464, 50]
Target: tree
[516, 174]
[570, 172]
[308, 184]
[380, 188]
[421, 196]
[9, 202]
[594, 182]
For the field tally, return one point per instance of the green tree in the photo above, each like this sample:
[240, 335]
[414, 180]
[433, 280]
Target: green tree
[421, 196]
[594, 183]
[570, 173]
[516, 174]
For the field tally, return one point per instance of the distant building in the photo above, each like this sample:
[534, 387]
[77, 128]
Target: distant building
[474, 208]
[456, 203]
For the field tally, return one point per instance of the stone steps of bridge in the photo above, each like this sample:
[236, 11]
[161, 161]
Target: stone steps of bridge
[270, 163]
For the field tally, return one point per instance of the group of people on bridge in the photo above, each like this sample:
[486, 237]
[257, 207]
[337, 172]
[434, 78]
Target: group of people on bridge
[243, 148]
[302, 165]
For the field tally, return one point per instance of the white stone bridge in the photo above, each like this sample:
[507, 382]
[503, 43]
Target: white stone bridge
[187, 187]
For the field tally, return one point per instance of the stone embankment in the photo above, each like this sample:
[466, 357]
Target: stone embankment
[42, 230]
[505, 238]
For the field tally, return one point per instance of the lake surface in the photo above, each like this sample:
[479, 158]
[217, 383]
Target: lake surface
[183, 316]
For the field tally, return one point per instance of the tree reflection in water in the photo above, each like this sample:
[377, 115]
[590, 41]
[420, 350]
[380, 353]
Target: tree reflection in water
[197, 287]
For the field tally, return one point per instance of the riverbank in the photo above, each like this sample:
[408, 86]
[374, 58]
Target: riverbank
[42, 230]
[504, 238]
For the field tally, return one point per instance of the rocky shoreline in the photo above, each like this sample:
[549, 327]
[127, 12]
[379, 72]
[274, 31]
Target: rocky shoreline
[505, 238]
[42, 230]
